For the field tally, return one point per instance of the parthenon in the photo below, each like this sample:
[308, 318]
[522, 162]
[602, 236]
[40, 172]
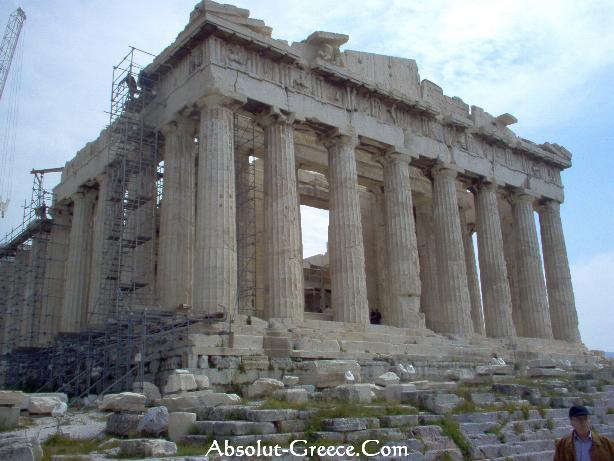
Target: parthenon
[188, 205]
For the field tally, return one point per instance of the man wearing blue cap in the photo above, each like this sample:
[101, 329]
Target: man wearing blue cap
[582, 444]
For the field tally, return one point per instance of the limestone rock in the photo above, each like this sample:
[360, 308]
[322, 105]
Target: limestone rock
[395, 392]
[124, 424]
[17, 448]
[9, 417]
[440, 403]
[387, 379]
[292, 395]
[193, 400]
[42, 405]
[180, 424]
[352, 393]
[149, 390]
[290, 380]
[331, 373]
[11, 398]
[180, 381]
[202, 382]
[154, 422]
[263, 387]
[344, 424]
[147, 447]
[125, 401]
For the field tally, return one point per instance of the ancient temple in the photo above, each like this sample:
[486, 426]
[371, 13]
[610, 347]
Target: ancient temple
[190, 202]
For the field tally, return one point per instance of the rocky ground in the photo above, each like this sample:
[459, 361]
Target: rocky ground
[486, 416]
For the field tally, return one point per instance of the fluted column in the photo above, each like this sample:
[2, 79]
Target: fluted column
[477, 314]
[531, 287]
[55, 277]
[346, 252]
[454, 314]
[496, 294]
[561, 300]
[429, 297]
[402, 246]
[381, 259]
[99, 240]
[176, 241]
[215, 256]
[283, 256]
[78, 263]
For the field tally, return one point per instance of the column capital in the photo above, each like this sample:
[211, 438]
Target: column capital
[549, 204]
[444, 169]
[392, 155]
[484, 184]
[274, 116]
[232, 102]
[522, 196]
[335, 138]
[83, 193]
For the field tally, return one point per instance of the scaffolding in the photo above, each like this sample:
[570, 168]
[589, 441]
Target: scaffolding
[248, 143]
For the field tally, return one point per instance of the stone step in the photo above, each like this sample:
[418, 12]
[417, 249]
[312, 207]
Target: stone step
[533, 456]
[234, 428]
[510, 449]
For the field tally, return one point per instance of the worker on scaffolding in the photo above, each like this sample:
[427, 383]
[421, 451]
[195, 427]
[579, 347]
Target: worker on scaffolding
[131, 85]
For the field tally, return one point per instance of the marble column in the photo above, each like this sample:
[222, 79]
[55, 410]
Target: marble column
[477, 313]
[496, 294]
[18, 296]
[533, 303]
[429, 298]
[346, 252]
[454, 313]
[561, 300]
[78, 263]
[99, 239]
[381, 259]
[37, 321]
[176, 241]
[55, 277]
[215, 257]
[402, 246]
[283, 255]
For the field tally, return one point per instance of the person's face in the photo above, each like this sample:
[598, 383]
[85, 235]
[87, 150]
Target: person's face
[581, 424]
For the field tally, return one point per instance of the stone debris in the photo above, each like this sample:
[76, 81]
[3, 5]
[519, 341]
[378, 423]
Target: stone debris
[180, 424]
[331, 373]
[154, 422]
[123, 424]
[17, 448]
[387, 379]
[263, 387]
[39, 405]
[149, 390]
[147, 447]
[180, 381]
[12, 398]
[125, 401]
[290, 380]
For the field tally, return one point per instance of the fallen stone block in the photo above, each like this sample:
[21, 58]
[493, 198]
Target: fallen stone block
[180, 424]
[147, 447]
[331, 373]
[440, 403]
[17, 448]
[125, 401]
[124, 424]
[192, 401]
[258, 415]
[11, 398]
[42, 405]
[353, 393]
[234, 427]
[387, 379]
[202, 382]
[344, 424]
[180, 381]
[263, 387]
[396, 392]
[154, 422]
[9, 417]
[149, 390]
[292, 395]
[290, 380]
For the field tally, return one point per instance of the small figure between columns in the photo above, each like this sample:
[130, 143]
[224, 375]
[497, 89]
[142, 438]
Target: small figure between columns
[346, 250]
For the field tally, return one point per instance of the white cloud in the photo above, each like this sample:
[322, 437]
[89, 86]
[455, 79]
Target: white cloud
[593, 279]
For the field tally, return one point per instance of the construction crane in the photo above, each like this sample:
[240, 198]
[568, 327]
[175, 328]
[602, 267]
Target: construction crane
[10, 109]
[9, 44]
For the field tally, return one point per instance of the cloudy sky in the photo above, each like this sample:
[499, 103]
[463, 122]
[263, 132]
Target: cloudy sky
[549, 63]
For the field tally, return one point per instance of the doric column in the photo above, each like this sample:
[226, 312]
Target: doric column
[78, 263]
[561, 300]
[531, 287]
[429, 297]
[402, 246]
[454, 314]
[283, 257]
[215, 256]
[381, 259]
[477, 314]
[99, 239]
[176, 241]
[346, 252]
[496, 295]
[55, 277]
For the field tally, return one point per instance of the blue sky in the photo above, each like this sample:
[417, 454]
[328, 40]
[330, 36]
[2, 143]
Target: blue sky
[548, 63]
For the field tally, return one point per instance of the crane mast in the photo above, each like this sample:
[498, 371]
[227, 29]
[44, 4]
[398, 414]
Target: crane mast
[9, 44]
